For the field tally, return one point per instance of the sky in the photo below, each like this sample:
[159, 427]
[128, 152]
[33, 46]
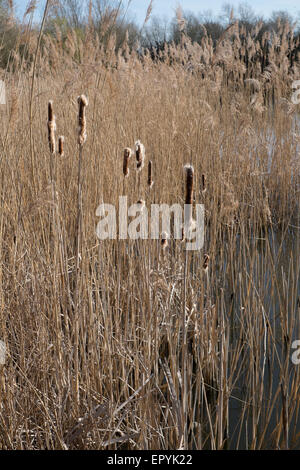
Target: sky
[166, 8]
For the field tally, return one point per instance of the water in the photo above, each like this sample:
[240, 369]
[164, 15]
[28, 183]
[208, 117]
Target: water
[278, 294]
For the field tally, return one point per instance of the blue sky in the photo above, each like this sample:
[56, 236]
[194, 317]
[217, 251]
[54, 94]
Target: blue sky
[167, 8]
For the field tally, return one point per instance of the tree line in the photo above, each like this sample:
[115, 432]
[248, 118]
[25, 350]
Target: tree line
[106, 17]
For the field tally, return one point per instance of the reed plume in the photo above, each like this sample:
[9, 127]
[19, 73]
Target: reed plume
[127, 156]
[83, 103]
[51, 127]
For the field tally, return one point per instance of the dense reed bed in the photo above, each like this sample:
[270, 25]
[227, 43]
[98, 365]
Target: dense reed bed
[141, 344]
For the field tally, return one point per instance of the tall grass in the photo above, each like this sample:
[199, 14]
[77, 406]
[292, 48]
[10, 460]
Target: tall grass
[137, 344]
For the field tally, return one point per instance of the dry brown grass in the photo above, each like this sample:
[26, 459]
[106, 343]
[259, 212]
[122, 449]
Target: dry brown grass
[94, 330]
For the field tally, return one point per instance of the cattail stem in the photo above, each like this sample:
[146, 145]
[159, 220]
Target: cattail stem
[82, 135]
[184, 356]
[55, 228]
[189, 186]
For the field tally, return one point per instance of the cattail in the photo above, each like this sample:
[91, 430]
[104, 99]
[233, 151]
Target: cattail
[83, 103]
[164, 241]
[51, 127]
[188, 208]
[140, 155]
[205, 263]
[150, 180]
[127, 156]
[189, 171]
[61, 141]
[141, 203]
[203, 184]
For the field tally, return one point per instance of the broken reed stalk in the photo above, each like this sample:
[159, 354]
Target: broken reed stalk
[82, 136]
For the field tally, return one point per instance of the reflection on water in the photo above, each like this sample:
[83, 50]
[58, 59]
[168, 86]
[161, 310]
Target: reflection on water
[271, 273]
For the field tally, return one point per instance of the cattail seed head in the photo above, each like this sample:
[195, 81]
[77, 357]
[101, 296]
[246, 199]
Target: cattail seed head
[50, 111]
[205, 262]
[189, 171]
[140, 155]
[203, 184]
[150, 180]
[61, 141]
[188, 207]
[127, 156]
[164, 240]
[82, 103]
[142, 204]
[51, 127]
